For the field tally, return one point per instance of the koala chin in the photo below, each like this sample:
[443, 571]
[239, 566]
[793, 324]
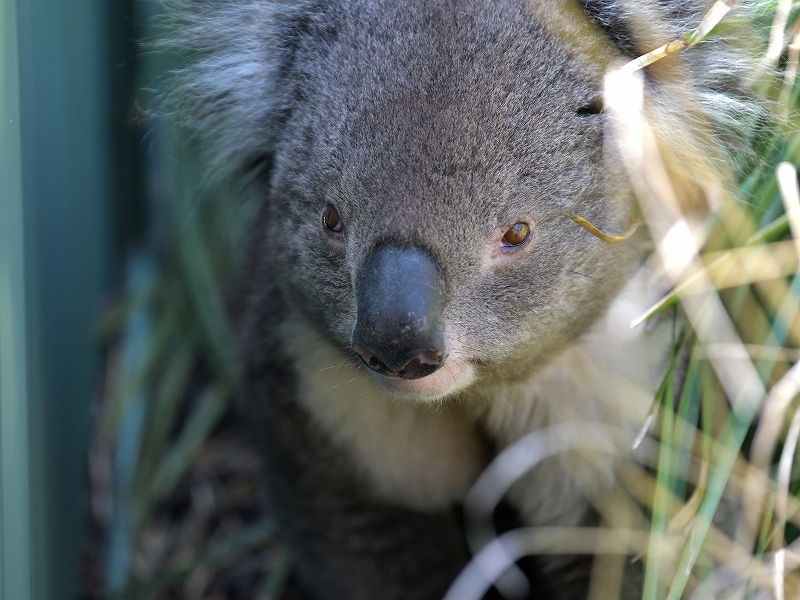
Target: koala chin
[418, 299]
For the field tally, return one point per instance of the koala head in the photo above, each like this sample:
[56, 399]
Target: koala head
[428, 157]
[418, 159]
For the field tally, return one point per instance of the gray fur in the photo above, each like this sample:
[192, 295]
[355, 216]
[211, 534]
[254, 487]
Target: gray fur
[433, 124]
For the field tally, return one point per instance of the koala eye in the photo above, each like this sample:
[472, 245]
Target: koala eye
[517, 235]
[331, 218]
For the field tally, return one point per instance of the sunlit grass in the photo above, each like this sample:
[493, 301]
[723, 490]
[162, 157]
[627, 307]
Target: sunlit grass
[717, 493]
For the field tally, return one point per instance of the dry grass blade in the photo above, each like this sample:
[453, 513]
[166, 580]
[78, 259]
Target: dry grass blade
[711, 19]
[771, 354]
[771, 232]
[792, 63]
[608, 239]
[777, 31]
[788, 387]
[687, 513]
[507, 467]
[497, 556]
[764, 442]
[782, 501]
[786, 175]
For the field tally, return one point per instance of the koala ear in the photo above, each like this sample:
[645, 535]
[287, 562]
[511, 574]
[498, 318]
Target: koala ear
[230, 94]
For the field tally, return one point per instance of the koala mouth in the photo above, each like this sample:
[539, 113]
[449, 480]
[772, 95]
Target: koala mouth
[421, 365]
[428, 377]
[454, 376]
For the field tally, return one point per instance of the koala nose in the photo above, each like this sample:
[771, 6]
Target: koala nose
[398, 330]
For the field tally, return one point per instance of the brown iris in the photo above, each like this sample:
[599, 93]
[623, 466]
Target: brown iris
[517, 235]
[331, 218]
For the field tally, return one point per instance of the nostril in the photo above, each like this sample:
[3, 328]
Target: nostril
[363, 353]
[429, 357]
[422, 365]
[373, 362]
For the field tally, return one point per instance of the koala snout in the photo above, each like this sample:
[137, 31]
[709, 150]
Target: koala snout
[398, 330]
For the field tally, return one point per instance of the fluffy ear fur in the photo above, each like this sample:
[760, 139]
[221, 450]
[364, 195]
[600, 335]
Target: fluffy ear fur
[232, 93]
[697, 102]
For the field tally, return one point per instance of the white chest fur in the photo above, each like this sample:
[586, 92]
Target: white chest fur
[426, 456]
[423, 456]
[609, 378]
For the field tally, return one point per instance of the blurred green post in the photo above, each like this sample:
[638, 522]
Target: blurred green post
[15, 566]
[55, 160]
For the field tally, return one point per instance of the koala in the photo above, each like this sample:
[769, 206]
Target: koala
[418, 297]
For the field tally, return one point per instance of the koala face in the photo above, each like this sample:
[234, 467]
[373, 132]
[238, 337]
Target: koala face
[420, 191]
